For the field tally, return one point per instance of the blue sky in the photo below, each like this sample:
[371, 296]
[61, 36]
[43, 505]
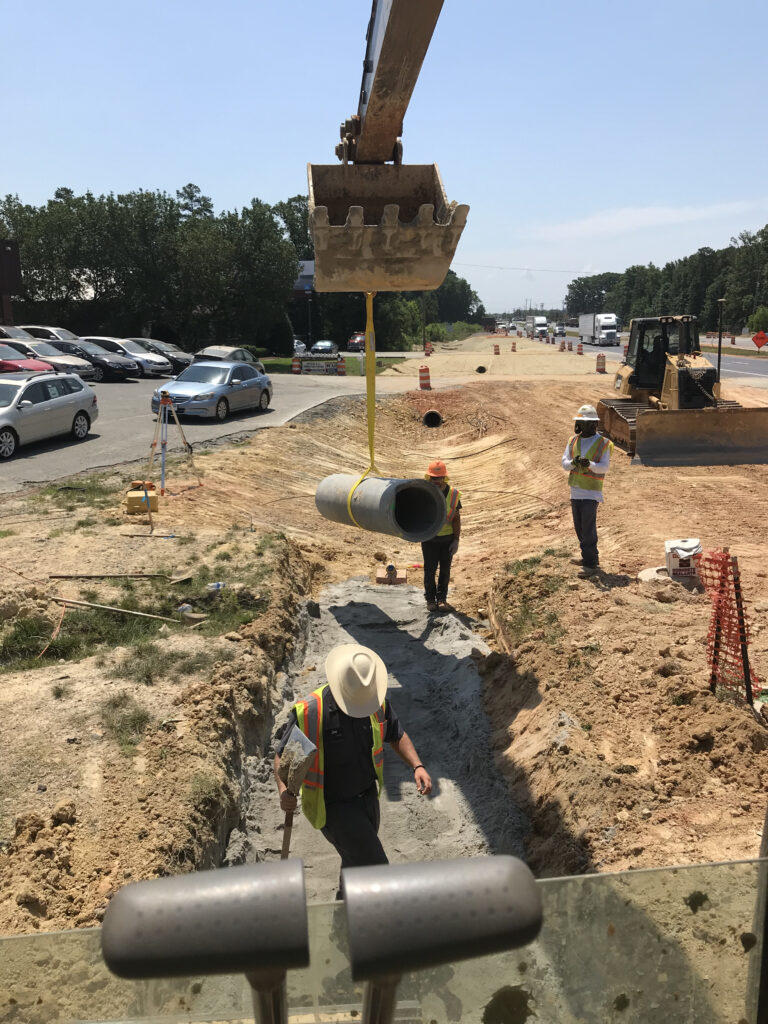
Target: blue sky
[584, 136]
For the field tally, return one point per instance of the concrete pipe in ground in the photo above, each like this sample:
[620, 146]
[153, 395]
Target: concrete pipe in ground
[411, 509]
[432, 418]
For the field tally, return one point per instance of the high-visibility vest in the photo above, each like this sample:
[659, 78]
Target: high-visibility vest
[452, 499]
[587, 479]
[309, 715]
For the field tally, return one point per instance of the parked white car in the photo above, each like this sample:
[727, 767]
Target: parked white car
[147, 362]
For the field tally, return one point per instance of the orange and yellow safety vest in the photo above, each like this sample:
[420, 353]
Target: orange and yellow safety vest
[587, 479]
[309, 715]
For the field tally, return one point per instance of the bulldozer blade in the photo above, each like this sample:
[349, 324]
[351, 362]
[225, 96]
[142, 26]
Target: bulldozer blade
[381, 227]
[702, 437]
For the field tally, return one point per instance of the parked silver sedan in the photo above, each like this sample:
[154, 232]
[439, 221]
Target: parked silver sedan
[216, 389]
[146, 362]
[36, 406]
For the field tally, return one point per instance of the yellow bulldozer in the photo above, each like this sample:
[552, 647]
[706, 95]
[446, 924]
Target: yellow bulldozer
[668, 408]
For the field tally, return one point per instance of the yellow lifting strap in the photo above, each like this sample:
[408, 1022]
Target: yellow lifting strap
[370, 393]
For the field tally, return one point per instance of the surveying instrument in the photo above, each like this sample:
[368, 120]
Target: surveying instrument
[161, 433]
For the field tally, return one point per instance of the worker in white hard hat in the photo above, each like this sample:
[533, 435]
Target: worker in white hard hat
[586, 459]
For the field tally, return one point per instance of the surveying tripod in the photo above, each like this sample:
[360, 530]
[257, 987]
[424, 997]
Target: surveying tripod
[161, 434]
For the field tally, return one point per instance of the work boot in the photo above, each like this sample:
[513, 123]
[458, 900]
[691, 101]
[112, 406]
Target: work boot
[431, 606]
[577, 561]
[588, 570]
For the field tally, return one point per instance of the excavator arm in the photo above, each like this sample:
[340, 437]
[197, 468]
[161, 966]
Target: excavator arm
[379, 226]
[399, 33]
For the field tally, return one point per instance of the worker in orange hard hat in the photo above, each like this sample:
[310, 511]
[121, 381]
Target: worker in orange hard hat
[439, 550]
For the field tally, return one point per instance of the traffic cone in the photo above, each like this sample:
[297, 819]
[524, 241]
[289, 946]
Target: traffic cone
[424, 378]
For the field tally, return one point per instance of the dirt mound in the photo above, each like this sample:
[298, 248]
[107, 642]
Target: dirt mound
[607, 729]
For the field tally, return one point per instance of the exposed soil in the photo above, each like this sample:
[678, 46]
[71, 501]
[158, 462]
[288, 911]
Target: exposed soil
[600, 715]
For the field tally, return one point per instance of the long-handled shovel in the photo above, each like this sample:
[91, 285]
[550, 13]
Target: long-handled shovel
[296, 759]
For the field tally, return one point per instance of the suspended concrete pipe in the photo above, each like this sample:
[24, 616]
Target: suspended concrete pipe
[411, 509]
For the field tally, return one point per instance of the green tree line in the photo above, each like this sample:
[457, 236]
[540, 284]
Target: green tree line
[169, 266]
[738, 274]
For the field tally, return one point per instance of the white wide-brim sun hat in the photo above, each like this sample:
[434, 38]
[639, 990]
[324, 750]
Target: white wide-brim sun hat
[358, 679]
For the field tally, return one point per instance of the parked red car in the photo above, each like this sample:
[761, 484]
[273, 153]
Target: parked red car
[12, 361]
[357, 342]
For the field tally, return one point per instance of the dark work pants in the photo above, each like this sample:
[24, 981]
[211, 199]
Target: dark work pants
[585, 523]
[436, 555]
[352, 826]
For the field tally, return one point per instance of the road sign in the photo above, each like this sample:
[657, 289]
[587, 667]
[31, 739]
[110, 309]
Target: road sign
[760, 339]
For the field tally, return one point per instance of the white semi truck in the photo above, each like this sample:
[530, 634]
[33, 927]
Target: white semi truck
[536, 326]
[599, 329]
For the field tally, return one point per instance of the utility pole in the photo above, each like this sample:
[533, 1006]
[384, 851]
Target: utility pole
[720, 304]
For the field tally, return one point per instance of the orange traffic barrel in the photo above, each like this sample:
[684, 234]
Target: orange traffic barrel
[626, 350]
[341, 367]
[295, 365]
[495, 350]
[562, 344]
[514, 347]
[733, 339]
[579, 349]
[570, 345]
[600, 363]
[424, 378]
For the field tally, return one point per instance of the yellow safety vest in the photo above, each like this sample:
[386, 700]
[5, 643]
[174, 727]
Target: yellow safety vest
[587, 479]
[309, 715]
[452, 499]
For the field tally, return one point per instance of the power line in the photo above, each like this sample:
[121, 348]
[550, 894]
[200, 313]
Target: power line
[533, 270]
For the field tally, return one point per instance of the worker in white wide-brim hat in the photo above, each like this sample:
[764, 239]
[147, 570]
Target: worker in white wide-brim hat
[586, 459]
[349, 720]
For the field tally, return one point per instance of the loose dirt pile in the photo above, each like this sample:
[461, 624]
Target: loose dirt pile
[599, 714]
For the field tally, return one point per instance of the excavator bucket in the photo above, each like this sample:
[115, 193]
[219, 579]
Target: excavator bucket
[702, 437]
[381, 227]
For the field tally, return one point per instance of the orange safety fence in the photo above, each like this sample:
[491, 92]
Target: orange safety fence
[728, 636]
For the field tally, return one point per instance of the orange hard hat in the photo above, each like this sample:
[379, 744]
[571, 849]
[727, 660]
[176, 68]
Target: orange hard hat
[437, 468]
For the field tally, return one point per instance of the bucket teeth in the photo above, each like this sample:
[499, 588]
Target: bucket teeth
[363, 242]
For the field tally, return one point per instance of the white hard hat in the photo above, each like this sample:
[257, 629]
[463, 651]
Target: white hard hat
[587, 412]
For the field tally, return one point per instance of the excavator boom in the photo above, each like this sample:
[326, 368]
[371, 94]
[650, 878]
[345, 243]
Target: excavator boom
[379, 226]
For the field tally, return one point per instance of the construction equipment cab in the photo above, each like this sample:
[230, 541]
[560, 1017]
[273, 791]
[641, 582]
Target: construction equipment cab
[668, 408]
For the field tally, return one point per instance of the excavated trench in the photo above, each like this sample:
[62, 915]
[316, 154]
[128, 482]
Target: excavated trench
[435, 687]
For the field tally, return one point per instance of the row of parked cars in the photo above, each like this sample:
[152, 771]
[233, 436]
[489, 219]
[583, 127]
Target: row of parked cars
[43, 370]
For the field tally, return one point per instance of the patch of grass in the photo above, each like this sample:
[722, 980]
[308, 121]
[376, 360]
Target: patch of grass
[521, 621]
[186, 538]
[574, 661]
[82, 632]
[205, 790]
[58, 532]
[587, 726]
[83, 524]
[145, 663]
[592, 647]
[553, 631]
[89, 595]
[7, 533]
[98, 491]
[213, 545]
[126, 720]
[58, 690]
[224, 556]
[113, 521]
[189, 664]
[522, 565]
